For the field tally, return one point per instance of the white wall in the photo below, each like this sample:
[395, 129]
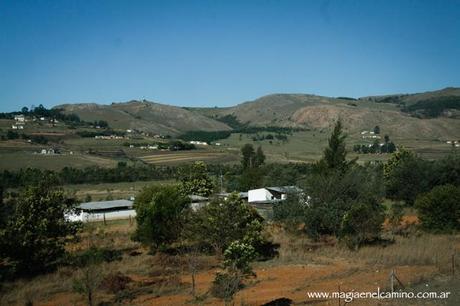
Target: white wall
[260, 194]
[113, 215]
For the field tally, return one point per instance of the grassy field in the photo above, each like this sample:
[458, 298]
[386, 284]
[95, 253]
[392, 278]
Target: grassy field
[308, 146]
[21, 159]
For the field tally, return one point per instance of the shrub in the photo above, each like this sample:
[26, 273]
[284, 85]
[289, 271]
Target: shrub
[115, 282]
[333, 194]
[225, 285]
[238, 257]
[221, 222]
[34, 237]
[159, 215]
[361, 224]
[194, 179]
[439, 209]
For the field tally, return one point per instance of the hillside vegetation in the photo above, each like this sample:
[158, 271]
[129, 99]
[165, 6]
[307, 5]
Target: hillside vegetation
[145, 116]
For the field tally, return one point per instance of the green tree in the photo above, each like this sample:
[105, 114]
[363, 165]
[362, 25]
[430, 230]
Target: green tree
[237, 263]
[334, 156]
[35, 235]
[376, 129]
[248, 154]
[259, 158]
[332, 195]
[396, 159]
[406, 176]
[195, 180]
[221, 222]
[439, 209]
[362, 224]
[159, 215]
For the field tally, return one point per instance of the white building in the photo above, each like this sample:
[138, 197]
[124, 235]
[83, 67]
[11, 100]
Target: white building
[196, 142]
[104, 210]
[19, 118]
[271, 194]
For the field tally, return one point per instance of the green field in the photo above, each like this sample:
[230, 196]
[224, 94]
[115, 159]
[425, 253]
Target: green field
[308, 146]
[21, 159]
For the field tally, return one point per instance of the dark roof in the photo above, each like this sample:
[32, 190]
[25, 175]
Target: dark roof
[197, 198]
[242, 195]
[106, 205]
[285, 189]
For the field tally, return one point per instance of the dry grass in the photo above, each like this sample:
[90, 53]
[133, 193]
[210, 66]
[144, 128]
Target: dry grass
[164, 276]
[415, 250]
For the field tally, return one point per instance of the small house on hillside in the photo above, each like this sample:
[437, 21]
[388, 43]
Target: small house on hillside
[104, 210]
[271, 194]
[19, 118]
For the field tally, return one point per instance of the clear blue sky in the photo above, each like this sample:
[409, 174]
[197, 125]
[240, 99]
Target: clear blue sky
[219, 53]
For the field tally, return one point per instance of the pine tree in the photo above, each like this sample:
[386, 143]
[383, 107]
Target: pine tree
[334, 156]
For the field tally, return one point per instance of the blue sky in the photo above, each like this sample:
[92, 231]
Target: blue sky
[220, 53]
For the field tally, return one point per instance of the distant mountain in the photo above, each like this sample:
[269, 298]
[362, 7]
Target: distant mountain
[403, 115]
[430, 114]
[145, 116]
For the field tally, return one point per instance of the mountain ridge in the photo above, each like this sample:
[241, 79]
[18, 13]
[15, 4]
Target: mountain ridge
[394, 112]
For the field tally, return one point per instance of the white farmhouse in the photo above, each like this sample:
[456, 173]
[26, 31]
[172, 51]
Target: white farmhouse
[271, 194]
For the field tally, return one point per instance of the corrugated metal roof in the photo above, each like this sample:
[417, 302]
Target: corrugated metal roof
[106, 205]
[285, 189]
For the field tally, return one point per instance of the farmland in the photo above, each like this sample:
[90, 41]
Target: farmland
[17, 160]
[175, 158]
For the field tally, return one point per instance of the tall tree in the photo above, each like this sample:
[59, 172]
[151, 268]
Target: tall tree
[259, 157]
[248, 153]
[159, 215]
[334, 156]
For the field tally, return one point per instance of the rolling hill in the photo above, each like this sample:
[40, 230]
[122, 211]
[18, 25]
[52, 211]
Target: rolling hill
[145, 116]
[319, 113]
[393, 113]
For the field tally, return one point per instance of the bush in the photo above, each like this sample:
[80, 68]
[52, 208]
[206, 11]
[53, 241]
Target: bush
[159, 215]
[406, 176]
[221, 222]
[333, 194]
[362, 224]
[115, 282]
[34, 237]
[238, 257]
[290, 212]
[225, 285]
[439, 209]
[194, 180]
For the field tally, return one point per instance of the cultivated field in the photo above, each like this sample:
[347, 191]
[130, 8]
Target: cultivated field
[16, 160]
[172, 158]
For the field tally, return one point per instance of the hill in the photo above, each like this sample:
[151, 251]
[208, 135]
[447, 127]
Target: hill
[398, 115]
[145, 116]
